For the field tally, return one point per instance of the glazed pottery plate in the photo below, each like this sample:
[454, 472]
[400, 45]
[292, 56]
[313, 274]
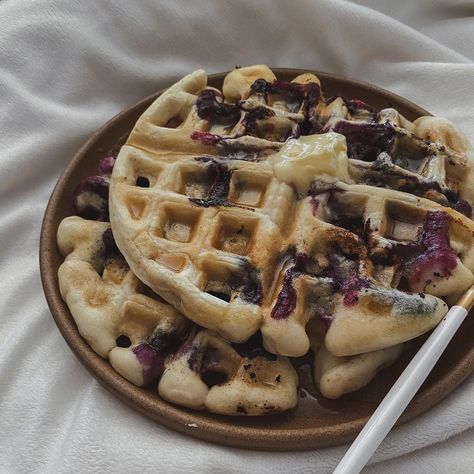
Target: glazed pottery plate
[316, 422]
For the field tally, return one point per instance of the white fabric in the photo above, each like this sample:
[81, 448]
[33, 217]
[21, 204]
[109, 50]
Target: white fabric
[68, 66]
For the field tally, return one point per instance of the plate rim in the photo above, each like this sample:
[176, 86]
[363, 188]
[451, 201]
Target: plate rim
[181, 419]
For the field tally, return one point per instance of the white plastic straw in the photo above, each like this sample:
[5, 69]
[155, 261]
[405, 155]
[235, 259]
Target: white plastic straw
[404, 389]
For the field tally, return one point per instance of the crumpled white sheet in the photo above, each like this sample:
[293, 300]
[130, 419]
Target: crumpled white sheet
[67, 67]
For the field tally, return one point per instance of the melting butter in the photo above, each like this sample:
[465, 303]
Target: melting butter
[302, 160]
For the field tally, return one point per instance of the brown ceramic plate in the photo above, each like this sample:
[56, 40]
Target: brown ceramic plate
[316, 422]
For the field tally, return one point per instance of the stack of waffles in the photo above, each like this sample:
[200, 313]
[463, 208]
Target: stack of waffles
[241, 228]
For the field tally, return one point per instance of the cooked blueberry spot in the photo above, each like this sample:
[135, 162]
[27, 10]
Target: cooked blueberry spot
[106, 166]
[123, 341]
[219, 188]
[206, 138]
[430, 252]
[247, 366]
[365, 141]
[142, 182]
[253, 347]
[286, 299]
[165, 342]
[278, 378]
[355, 106]
[211, 378]
[211, 106]
[241, 409]
[463, 207]
[91, 198]
[252, 375]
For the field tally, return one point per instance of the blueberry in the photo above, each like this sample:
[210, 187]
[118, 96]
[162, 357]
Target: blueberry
[106, 166]
[91, 198]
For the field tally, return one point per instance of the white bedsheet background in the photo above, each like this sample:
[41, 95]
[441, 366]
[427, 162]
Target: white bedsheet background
[67, 67]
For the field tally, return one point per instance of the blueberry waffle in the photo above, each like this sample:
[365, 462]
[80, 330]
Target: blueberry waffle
[147, 341]
[266, 205]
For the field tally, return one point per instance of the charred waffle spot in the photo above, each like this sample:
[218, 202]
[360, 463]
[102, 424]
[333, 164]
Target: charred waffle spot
[429, 253]
[211, 106]
[365, 141]
[253, 348]
[341, 216]
[347, 243]
[151, 361]
[241, 409]
[203, 159]
[314, 204]
[250, 284]
[110, 247]
[142, 182]
[219, 189]
[222, 296]
[247, 366]
[286, 299]
[123, 341]
[212, 368]
[252, 375]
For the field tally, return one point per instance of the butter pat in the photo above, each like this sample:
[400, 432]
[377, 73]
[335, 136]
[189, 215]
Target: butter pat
[303, 160]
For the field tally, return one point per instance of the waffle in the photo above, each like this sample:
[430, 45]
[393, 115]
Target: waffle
[240, 209]
[146, 339]
[336, 376]
[429, 157]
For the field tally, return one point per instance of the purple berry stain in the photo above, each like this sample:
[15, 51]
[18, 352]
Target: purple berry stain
[206, 138]
[91, 196]
[151, 361]
[463, 207]
[106, 166]
[286, 300]
[350, 288]
[430, 254]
